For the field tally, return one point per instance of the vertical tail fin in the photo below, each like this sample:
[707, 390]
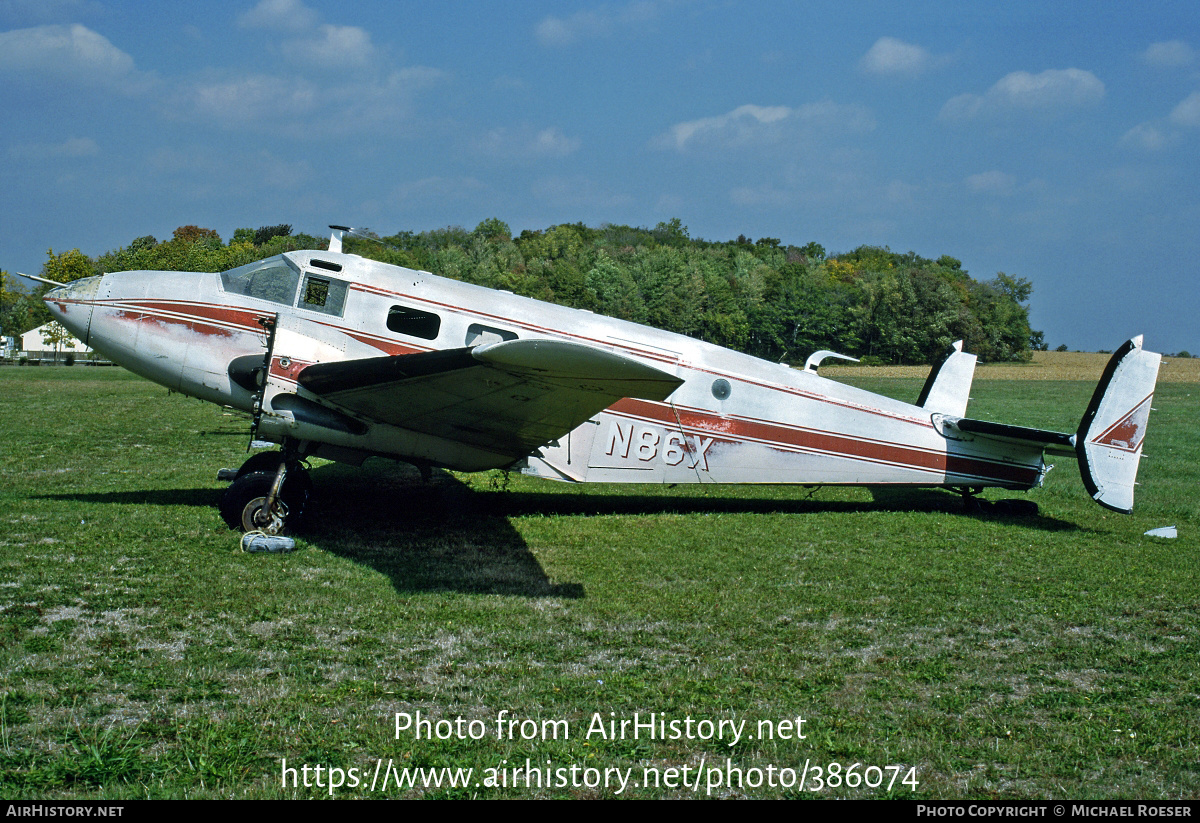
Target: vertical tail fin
[948, 387]
[1109, 439]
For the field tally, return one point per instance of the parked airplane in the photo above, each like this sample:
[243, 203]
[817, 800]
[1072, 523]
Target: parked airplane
[342, 357]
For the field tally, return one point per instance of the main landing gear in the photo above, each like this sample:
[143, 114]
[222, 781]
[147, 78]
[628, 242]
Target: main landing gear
[270, 491]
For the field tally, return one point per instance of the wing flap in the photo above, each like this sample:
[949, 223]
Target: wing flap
[511, 397]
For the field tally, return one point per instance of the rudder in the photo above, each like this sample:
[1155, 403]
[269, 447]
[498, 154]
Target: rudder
[1109, 440]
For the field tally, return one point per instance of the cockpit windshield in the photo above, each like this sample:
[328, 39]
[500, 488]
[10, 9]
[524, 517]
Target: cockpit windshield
[271, 279]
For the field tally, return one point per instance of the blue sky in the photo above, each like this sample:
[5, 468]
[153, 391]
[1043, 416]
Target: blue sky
[1053, 141]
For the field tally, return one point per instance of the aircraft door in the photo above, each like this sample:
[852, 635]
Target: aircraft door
[294, 344]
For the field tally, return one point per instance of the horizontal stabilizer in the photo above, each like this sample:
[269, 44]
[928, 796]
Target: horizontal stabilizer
[1052, 442]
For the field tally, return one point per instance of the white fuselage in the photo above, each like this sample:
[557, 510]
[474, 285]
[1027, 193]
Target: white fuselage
[735, 418]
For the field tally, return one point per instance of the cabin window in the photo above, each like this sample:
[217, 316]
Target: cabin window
[478, 335]
[323, 294]
[414, 322]
[275, 281]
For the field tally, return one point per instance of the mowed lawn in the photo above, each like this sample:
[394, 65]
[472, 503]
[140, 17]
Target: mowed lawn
[142, 654]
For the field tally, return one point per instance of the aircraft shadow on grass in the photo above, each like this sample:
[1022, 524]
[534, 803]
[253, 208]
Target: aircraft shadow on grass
[453, 535]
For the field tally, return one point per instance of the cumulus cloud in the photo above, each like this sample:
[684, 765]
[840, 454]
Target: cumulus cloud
[279, 15]
[524, 143]
[1155, 135]
[73, 54]
[1051, 90]
[892, 57]
[69, 148]
[1169, 54]
[752, 125]
[333, 47]
[243, 100]
[1149, 137]
[599, 22]
[1187, 113]
[293, 105]
[992, 182]
[315, 45]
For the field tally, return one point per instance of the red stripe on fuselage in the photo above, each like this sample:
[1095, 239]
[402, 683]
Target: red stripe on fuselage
[790, 438]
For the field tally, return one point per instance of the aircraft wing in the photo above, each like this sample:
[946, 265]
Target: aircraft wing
[510, 397]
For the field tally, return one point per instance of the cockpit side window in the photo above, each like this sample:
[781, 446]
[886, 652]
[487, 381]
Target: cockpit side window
[275, 281]
[323, 294]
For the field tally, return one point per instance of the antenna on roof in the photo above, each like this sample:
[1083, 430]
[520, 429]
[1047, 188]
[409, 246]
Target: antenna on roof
[335, 241]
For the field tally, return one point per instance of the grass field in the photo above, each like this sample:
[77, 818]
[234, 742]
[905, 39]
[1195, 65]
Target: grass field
[142, 654]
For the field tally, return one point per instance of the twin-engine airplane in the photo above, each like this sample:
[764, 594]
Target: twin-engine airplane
[342, 357]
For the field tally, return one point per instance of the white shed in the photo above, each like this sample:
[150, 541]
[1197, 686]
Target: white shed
[39, 342]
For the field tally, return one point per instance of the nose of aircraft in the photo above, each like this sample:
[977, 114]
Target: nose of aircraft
[72, 304]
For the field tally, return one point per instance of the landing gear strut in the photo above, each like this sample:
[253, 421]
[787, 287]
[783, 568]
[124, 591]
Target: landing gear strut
[270, 492]
[970, 499]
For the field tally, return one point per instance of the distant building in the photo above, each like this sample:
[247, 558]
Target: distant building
[33, 343]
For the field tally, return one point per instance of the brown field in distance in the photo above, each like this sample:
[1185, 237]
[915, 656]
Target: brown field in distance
[1046, 365]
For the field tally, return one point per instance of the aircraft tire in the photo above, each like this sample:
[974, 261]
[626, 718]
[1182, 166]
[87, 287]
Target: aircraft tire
[247, 494]
[261, 462]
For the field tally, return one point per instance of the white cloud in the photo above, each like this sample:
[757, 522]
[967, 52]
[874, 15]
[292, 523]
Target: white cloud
[752, 125]
[69, 148]
[992, 182]
[738, 126]
[1187, 113]
[599, 22]
[1169, 54]
[893, 57]
[1148, 136]
[383, 104]
[297, 106]
[1051, 90]
[244, 100]
[74, 54]
[553, 142]
[1155, 135]
[279, 15]
[524, 143]
[333, 47]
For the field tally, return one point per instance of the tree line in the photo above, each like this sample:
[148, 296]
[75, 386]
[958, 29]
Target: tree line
[763, 297]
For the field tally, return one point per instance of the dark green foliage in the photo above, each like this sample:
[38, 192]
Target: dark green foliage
[266, 233]
[761, 296]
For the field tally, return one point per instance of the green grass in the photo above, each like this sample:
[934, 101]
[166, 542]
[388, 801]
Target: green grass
[142, 654]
